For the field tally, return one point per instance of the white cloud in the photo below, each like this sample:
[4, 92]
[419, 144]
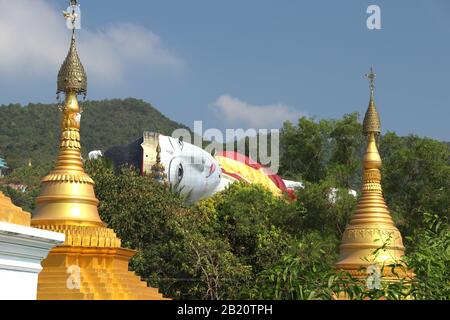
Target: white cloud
[237, 112]
[34, 42]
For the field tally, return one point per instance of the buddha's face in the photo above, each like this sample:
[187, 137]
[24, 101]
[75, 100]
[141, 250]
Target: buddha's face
[190, 170]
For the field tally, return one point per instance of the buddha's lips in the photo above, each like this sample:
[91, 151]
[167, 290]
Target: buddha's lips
[212, 169]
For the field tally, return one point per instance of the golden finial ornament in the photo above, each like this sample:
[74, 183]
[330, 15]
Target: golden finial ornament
[71, 76]
[371, 226]
[67, 204]
[371, 121]
[371, 76]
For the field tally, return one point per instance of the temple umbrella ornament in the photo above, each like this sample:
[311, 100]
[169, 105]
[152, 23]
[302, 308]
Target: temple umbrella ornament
[91, 264]
[371, 239]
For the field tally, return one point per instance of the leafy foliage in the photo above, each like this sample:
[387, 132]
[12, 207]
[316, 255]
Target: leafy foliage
[416, 180]
[327, 209]
[307, 162]
[30, 178]
[141, 212]
[429, 257]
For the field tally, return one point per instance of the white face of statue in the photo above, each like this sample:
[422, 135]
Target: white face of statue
[190, 170]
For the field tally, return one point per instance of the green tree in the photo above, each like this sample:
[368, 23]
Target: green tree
[348, 143]
[30, 179]
[142, 211]
[304, 149]
[415, 180]
[214, 271]
[243, 218]
[323, 208]
[429, 258]
[300, 272]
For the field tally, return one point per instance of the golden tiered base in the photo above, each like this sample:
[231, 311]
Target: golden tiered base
[389, 273]
[84, 236]
[103, 275]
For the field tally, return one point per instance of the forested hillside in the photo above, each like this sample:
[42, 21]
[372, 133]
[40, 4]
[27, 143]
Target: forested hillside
[32, 131]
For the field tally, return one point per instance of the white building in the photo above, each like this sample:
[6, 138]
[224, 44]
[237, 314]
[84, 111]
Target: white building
[22, 249]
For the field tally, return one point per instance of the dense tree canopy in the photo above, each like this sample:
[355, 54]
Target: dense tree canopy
[416, 180]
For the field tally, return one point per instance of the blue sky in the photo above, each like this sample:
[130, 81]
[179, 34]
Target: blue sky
[224, 61]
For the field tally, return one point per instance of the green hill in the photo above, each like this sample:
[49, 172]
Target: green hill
[32, 131]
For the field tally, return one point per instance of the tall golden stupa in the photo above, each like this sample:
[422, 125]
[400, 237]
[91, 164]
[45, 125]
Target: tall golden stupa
[371, 227]
[90, 264]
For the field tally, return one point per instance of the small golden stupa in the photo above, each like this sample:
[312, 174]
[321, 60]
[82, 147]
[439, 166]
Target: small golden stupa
[371, 227]
[10, 213]
[90, 264]
[157, 170]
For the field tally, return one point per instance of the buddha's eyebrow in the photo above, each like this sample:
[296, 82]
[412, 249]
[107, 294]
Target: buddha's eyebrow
[170, 165]
[170, 141]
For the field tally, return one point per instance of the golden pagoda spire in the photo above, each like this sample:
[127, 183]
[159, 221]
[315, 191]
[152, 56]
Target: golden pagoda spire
[67, 195]
[371, 226]
[91, 263]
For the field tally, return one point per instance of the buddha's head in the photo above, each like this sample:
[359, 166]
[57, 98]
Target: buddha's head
[190, 170]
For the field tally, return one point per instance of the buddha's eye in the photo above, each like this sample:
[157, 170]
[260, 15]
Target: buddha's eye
[180, 172]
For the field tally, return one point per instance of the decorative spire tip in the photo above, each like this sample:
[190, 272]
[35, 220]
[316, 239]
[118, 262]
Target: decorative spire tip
[71, 76]
[371, 76]
[372, 123]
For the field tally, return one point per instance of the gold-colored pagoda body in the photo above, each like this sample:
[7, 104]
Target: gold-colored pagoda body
[67, 196]
[371, 226]
[90, 264]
